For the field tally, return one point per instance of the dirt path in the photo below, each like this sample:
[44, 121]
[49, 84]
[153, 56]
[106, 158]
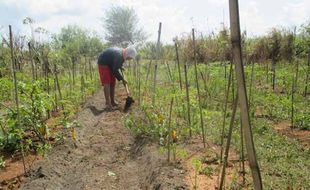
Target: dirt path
[107, 157]
[284, 128]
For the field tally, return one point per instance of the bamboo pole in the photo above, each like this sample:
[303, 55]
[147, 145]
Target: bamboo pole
[198, 91]
[14, 71]
[228, 143]
[267, 74]
[139, 80]
[158, 42]
[294, 85]
[16, 92]
[90, 68]
[157, 59]
[73, 71]
[31, 60]
[225, 70]
[55, 89]
[251, 84]
[188, 101]
[307, 75]
[273, 68]
[237, 58]
[58, 85]
[169, 73]
[169, 129]
[242, 153]
[178, 62]
[147, 79]
[225, 109]
[154, 84]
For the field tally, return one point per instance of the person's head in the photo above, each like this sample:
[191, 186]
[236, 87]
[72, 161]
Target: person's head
[130, 53]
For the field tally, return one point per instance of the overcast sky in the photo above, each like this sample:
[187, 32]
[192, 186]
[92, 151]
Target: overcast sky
[177, 16]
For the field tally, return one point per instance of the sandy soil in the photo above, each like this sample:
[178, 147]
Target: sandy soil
[107, 156]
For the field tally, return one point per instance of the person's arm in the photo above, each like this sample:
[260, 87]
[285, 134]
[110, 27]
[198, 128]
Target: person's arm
[115, 68]
[117, 74]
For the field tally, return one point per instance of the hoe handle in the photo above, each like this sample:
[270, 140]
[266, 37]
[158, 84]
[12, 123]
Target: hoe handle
[125, 85]
[127, 90]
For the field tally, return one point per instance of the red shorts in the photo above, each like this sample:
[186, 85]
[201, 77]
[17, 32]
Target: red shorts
[106, 76]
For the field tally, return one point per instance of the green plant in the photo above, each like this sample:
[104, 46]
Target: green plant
[197, 165]
[2, 162]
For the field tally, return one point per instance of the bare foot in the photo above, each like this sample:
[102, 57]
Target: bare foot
[108, 107]
[114, 104]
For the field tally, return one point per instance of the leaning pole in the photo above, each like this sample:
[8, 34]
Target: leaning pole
[243, 101]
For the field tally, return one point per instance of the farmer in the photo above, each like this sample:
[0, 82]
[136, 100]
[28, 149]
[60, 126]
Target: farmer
[110, 61]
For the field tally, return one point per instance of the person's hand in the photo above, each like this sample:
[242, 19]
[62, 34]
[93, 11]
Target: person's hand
[124, 82]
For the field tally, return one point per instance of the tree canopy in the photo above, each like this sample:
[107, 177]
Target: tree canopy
[121, 26]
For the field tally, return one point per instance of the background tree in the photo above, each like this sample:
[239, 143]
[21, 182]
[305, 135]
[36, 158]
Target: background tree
[121, 26]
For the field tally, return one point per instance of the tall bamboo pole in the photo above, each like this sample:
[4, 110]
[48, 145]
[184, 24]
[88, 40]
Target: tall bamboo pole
[225, 110]
[294, 88]
[198, 91]
[14, 72]
[139, 79]
[16, 92]
[188, 101]
[237, 59]
[154, 84]
[251, 83]
[169, 129]
[307, 75]
[147, 79]
[58, 85]
[31, 60]
[228, 143]
[178, 62]
[157, 59]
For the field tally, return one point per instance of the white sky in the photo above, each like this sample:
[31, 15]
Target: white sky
[178, 16]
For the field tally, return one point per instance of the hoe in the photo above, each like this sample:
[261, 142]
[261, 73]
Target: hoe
[129, 99]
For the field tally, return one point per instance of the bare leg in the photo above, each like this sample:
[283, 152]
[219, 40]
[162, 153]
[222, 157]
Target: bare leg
[107, 91]
[112, 95]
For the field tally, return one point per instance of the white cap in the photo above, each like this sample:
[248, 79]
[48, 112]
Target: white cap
[131, 52]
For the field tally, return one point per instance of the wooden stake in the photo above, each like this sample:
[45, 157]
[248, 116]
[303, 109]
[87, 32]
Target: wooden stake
[237, 59]
[31, 60]
[55, 89]
[225, 110]
[58, 85]
[16, 93]
[169, 130]
[139, 81]
[198, 91]
[154, 84]
[307, 75]
[147, 79]
[178, 62]
[158, 42]
[188, 102]
[228, 143]
[251, 84]
[157, 59]
[294, 84]
[242, 153]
